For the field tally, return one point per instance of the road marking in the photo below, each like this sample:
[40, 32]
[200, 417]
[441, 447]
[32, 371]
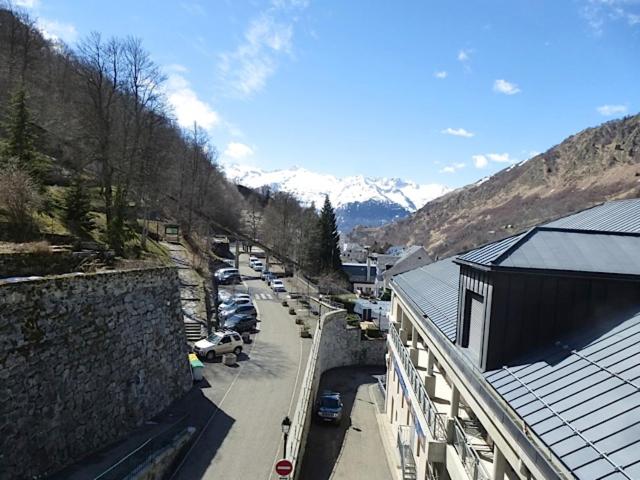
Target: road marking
[263, 296]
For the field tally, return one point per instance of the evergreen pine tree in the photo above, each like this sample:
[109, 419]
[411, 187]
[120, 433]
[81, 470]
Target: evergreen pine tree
[329, 249]
[77, 206]
[18, 148]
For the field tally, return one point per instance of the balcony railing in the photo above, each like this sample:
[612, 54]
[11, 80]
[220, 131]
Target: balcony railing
[406, 443]
[468, 455]
[435, 423]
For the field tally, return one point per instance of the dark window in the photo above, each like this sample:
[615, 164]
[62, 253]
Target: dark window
[226, 340]
[473, 322]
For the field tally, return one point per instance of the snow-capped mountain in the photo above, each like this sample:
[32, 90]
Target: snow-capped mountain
[357, 199]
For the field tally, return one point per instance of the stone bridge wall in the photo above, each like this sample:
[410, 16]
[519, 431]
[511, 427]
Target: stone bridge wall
[84, 359]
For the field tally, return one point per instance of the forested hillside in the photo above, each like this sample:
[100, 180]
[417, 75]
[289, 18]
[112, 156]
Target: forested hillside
[593, 166]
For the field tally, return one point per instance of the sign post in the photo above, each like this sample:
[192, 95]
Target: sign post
[284, 468]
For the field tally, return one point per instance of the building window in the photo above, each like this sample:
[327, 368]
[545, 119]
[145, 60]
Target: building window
[473, 323]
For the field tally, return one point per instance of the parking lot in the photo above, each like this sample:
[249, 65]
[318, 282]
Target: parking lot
[243, 438]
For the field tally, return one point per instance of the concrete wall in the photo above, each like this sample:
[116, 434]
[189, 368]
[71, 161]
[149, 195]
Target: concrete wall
[84, 359]
[335, 344]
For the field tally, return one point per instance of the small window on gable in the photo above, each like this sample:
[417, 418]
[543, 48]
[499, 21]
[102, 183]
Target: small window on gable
[473, 323]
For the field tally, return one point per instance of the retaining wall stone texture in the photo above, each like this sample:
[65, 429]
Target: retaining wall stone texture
[85, 359]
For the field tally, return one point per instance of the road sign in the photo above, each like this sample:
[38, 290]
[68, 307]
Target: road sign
[284, 467]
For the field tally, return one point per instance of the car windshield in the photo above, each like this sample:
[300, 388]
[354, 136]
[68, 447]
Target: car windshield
[215, 338]
[330, 402]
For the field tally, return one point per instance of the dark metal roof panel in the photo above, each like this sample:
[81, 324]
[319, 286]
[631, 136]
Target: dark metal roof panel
[487, 254]
[576, 251]
[616, 216]
[433, 289]
[578, 400]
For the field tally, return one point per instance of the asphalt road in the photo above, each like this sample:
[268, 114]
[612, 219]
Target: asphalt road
[243, 437]
[352, 449]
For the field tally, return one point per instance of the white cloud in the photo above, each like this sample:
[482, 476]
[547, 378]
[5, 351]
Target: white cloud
[188, 108]
[452, 168]
[27, 3]
[598, 13]
[269, 37]
[480, 161]
[463, 54]
[458, 132]
[508, 88]
[611, 110]
[440, 74]
[500, 157]
[238, 151]
[55, 31]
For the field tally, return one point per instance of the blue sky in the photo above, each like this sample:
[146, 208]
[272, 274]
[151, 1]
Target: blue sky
[434, 92]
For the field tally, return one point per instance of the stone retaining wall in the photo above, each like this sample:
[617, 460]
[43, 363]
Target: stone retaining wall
[84, 359]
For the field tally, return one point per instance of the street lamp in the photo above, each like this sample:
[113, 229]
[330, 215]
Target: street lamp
[286, 425]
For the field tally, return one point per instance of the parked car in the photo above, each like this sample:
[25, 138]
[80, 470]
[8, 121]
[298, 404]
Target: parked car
[234, 303]
[329, 407]
[270, 278]
[227, 276]
[219, 343]
[241, 323]
[241, 309]
[258, 266]
[265, 274]
[278, 286]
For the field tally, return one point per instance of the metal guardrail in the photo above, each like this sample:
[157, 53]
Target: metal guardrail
[435, 422]
[468, 455]
[136, 459]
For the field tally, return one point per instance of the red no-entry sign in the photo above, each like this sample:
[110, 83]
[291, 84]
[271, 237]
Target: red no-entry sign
[284, 467]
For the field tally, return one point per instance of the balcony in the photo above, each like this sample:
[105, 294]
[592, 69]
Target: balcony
[466, 434]
[435, 420]
[406, 443]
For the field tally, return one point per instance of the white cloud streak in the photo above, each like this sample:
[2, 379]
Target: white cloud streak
[269, 37]
[56, 31]
[458, 132]
[238, 151]
[442, 74]
[463, 55]
[481, 161]
[598, 13]
[612, 110]
[188, 108]
[508, 88]
[452, 168]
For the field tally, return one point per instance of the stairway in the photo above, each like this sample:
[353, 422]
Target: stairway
[193, 330]
[409, 472]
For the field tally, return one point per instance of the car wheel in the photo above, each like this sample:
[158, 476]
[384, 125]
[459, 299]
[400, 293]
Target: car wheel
[211, 355]
[237, 350]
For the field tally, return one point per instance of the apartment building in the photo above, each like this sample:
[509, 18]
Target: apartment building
[521, 359]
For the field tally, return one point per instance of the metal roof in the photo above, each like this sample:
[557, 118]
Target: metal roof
[582, 398]
[577, 251]
[433, 289]
[615, 216]
[488, 253]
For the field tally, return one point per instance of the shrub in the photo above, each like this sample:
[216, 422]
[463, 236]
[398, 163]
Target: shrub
[292, 311]
[285, 303]
[20, 199]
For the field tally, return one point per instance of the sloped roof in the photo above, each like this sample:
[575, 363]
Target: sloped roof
[433, 289]
[487, 254]
[582, 398]
[615, 216]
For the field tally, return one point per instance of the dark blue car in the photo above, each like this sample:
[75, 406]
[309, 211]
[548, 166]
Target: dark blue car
[329, 408]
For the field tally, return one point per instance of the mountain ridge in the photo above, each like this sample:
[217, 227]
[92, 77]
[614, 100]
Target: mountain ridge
[592, 166]
[357, 199]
